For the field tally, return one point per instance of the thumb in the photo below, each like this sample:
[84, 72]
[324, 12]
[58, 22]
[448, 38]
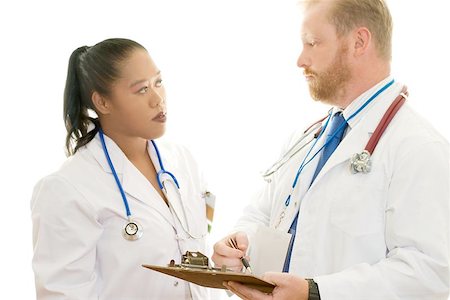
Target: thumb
[275, 278]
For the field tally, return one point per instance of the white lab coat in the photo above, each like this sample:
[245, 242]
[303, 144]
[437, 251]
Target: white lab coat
[78, 215]
[381, 235]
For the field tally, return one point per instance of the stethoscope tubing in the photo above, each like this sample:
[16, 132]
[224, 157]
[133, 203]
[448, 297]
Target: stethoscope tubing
[292, 151]
[162, 169]
[113, 170]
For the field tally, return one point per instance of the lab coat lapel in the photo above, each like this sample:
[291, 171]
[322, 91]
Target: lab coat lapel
[175, 200]
[133, 182]
[136, 185]
[172, 193]
[116, 155]
[354, 142]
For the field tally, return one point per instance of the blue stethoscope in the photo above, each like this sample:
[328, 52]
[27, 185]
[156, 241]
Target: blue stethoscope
[306, 161]
[132, 230]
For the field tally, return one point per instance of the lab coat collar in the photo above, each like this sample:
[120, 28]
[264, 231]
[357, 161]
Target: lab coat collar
[363, 127]
[117, 156]
[359, 101]
[115, 153]
[132, 180]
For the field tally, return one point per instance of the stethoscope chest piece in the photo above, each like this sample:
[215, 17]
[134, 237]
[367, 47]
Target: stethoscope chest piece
[132, 231]
[360, 162]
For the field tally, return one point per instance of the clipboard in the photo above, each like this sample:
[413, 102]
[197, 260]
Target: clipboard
[206, 276]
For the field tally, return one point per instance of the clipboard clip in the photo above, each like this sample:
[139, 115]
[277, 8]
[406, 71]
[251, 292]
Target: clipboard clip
[195, 260]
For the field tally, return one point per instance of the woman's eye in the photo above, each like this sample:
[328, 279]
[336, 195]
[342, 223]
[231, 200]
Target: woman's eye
[143, 90]
[158, 83]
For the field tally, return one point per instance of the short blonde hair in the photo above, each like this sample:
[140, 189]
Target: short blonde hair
[346, 15]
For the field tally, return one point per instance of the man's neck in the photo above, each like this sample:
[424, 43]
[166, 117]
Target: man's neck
[360, 84]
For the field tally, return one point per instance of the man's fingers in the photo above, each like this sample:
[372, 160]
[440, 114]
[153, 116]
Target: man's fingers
[223, 249]
[231, 263]
[226, 254]
[241, 241]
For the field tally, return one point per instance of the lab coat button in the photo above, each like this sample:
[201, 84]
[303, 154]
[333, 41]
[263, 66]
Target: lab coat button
[175, 283]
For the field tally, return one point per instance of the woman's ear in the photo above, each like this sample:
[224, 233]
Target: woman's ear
[362, 40]
[100, 103]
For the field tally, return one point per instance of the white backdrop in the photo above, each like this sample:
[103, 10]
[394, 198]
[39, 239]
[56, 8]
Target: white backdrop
[234, 91]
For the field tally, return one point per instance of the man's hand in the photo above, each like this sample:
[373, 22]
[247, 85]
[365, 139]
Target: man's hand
[288, 286]
[225, 254]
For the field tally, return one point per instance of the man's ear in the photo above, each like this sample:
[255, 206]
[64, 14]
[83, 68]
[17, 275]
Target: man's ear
[100, 103]
[362, 39]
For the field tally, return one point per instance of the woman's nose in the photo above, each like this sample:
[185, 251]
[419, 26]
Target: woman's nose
[157, 99]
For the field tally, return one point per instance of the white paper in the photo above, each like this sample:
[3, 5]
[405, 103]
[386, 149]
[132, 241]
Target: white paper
[268, 250]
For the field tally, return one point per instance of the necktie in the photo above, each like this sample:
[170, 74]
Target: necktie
[334, 137]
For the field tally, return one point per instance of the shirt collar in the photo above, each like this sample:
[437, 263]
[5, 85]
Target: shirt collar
[359, 101]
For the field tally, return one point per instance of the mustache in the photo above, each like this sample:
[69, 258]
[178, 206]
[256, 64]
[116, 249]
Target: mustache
[308, 72]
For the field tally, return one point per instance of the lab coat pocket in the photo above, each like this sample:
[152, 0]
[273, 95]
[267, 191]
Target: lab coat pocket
[358, 212]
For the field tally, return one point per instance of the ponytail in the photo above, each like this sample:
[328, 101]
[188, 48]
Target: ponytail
[76, 104]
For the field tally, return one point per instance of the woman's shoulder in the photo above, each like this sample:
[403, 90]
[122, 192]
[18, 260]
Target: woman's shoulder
[52, 188]
[69, 183]
[79, 163]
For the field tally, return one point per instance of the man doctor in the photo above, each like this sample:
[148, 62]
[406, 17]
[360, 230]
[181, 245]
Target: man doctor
[378, 233]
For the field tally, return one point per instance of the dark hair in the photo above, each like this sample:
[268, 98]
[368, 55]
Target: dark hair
[90, 69]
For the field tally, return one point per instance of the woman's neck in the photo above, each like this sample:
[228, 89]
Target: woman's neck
[134, 148]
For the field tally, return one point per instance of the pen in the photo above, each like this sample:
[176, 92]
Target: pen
[243, 260]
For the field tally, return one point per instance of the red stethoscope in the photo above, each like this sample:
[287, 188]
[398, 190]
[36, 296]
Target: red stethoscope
[360, 162]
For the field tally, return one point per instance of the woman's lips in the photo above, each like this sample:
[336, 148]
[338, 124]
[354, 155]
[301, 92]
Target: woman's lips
[161, 117]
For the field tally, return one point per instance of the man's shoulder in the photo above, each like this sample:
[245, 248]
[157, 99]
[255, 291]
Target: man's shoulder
[411, 125]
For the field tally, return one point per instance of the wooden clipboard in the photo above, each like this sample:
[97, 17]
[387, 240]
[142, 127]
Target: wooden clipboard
[213, 278]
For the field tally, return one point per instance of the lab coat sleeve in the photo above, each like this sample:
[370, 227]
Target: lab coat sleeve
[256, 213]
[65, 232]
[416, 266]
[261, 207]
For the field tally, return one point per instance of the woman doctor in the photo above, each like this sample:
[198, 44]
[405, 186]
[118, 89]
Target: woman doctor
[121, 200]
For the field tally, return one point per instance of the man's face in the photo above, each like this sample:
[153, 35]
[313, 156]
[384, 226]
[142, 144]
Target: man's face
[325, 85]
[324, 57]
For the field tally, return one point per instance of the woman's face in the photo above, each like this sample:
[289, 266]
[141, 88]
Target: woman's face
[137, 100]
